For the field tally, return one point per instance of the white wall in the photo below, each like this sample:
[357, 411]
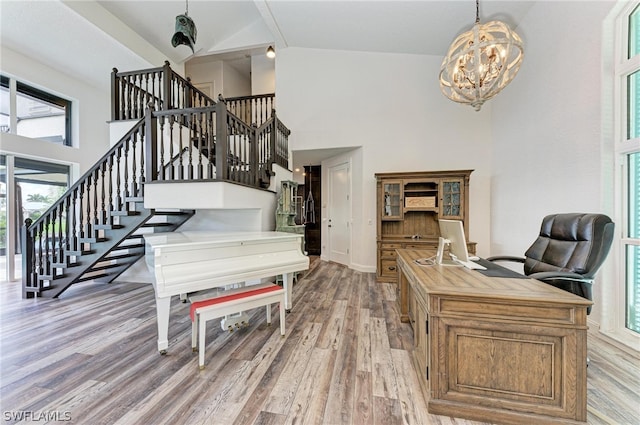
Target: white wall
[263, 77]
[547, 126]
[234, 82]
[223, 77]
[391, 106]
[90, 112]
[206, 72]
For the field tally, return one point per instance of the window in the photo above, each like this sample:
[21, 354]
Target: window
[627, 150]
[38, 114]
[632, 259]
[38, 184]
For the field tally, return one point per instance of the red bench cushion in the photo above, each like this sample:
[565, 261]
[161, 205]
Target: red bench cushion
[231, 297]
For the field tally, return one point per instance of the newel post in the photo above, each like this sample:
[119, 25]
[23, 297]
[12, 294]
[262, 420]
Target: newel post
[254, 155]
[115, 95]
[168, 83]
[188, 94]
[274, 137]
[222, 140]
[151, 146]
[27, 260]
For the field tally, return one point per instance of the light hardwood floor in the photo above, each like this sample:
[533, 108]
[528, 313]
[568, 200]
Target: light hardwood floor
[91, 358]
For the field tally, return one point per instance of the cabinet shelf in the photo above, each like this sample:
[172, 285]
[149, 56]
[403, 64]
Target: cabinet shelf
[407, 190]
[422, 209]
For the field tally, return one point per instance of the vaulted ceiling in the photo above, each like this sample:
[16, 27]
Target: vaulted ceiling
[86, 39]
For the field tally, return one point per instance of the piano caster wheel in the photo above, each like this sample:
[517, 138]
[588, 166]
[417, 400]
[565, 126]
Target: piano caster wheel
[194, 349]
[163, 352]
[201, 367]
[288, 310]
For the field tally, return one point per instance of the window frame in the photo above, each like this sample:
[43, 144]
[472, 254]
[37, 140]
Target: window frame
[615, 324]
[41, 95]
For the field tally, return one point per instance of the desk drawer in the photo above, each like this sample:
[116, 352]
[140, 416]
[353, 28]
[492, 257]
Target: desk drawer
[388, 268]
[388, 254]
[424, 247]
[390, 246]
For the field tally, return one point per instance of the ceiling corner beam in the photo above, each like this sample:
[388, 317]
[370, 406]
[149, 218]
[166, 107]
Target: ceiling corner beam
[270, 21]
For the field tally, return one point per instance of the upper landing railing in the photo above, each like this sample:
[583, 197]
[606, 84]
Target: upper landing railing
[163, 89]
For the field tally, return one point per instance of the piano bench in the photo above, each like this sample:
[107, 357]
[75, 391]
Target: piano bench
[232, 302]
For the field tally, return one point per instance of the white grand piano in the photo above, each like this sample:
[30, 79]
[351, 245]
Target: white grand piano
[190, 261]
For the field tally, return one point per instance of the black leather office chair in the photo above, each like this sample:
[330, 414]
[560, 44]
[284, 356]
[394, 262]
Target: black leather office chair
[568, 252]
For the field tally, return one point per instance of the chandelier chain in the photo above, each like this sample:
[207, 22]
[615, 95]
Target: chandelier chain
[477, 11]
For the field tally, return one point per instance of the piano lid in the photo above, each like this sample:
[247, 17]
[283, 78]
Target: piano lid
[195, 237]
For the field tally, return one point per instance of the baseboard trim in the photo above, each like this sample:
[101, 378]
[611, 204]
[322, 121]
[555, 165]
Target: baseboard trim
[613, 339]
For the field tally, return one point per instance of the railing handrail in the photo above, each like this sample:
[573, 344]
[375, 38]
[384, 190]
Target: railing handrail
[267, 123]
[255, 96]
[88, 173]
[137, 72]
[131, 91]
[175, 75]
[167, 112]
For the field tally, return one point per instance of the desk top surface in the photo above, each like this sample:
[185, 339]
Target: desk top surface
[460, 281]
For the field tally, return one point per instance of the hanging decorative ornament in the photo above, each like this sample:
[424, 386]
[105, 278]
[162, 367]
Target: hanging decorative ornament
[186, 31]
[310, 204]
[481, 62]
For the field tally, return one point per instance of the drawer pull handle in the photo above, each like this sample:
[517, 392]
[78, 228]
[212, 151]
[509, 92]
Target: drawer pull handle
[392, 267]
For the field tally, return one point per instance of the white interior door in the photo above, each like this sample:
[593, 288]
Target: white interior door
[339, 214]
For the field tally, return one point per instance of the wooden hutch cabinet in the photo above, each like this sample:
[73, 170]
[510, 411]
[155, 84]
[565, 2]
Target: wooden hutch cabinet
[409, 205]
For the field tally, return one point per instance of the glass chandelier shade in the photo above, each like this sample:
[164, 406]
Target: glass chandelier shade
[480, 63]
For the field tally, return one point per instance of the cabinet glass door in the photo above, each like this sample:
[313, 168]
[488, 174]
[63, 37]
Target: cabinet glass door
[451, 199]
[391, 200]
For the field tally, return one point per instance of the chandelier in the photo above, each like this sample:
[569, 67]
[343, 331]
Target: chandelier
[480, 63]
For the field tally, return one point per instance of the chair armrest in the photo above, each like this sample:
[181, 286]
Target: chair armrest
[506, 258]
[568, 276]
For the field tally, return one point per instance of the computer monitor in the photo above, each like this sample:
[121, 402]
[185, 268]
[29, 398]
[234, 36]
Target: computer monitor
[452, 233]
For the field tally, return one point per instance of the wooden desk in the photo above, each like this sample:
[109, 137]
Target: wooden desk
[498, 350]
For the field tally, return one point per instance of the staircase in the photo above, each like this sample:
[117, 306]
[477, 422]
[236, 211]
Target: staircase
[95, 231]
[104, 257]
